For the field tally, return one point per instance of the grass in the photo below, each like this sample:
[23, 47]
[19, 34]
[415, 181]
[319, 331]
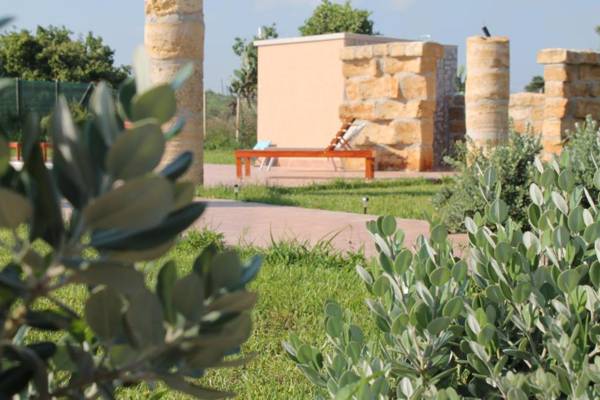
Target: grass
[406, 198]
[219, 156]
[293, 285]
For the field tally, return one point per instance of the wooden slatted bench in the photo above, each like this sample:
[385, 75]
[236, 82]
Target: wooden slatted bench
[245, 157]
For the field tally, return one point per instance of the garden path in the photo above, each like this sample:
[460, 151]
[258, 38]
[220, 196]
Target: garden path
[259, 224]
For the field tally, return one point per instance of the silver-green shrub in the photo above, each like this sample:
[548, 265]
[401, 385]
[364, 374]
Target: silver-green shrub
[91, 221]
[514, 315]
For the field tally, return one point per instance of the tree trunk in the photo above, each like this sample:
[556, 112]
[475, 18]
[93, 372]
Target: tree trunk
[238, 118]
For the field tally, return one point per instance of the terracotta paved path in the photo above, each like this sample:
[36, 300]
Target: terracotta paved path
[257, 224]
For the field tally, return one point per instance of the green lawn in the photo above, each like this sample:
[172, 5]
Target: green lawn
[293, 285]
[406, 198]
[219, 157]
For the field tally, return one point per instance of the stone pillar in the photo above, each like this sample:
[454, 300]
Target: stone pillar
[488, 90]
[174, 36]
[572, 92]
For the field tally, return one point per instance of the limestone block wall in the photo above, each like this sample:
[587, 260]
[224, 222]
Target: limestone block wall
[393, 88]
[526, 111]
[174, 36]
[487, 90]
[572, 92]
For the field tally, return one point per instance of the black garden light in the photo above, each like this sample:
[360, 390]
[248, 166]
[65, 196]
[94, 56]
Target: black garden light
[365, 202]
[236, 190]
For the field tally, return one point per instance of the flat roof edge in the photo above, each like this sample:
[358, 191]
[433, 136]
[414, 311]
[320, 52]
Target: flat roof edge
[323, 38]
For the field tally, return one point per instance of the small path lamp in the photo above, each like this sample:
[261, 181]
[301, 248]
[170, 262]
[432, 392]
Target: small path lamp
[365, 203]
[236, 191]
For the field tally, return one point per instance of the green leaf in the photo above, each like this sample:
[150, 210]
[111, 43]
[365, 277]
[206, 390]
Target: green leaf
[566, 181]
[226, 270]
[576, 222]
[42, 192]
[498, 211]
[182, 76]
[188, 297]
[14, 209]
[560, 203]
[595, 274]
[178, 167]
[139, 241]
[4, 156]
[568, 280]
[104, 312]
[459, 271]
[136, 152]
[516, 394]
[388, 226]
[184, 193]
[402, 262]
[503, 252]
[471, 226]
[167, 277]
[490, 177]
[439, 234]
[597, 248]
[103, 105]
[138, 204]
[127, 92]
[158, 102]
[122, 278]
[561, 237]
[69, 152]
[145, 320]
[536, 195]
[454, 307]
[438, 325]
[141, 70]
[597, 179]
[521, 292]
[364, 275]
[440, 276]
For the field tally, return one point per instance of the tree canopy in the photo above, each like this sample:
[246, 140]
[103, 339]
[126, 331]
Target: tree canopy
[52, 53]
[331, 17]
[245, 78]
[536, 85]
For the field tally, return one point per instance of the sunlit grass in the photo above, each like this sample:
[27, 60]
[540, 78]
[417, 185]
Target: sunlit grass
[406, 198]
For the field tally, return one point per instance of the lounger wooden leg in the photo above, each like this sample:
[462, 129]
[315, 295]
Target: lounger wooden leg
[370, 168]
[248, 162]
[238, 167]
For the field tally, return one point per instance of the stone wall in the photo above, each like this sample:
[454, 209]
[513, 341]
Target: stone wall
[572, 92]
[526, 111]
[393, 88]
[174, 37]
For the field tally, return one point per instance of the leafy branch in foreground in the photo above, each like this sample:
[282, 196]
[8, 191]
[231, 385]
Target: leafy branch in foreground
[92, 220]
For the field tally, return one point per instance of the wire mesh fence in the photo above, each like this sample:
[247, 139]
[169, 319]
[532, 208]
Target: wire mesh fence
[21, 98]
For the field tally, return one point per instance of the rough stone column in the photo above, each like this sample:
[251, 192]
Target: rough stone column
[488, 90]
[174, 36]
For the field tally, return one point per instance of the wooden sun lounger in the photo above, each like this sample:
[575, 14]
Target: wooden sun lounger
[246, 156]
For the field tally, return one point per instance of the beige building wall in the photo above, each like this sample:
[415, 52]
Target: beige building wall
[301, 88]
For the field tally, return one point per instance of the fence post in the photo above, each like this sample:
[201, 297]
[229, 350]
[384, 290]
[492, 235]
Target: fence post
[56, 91]
[18, 97]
